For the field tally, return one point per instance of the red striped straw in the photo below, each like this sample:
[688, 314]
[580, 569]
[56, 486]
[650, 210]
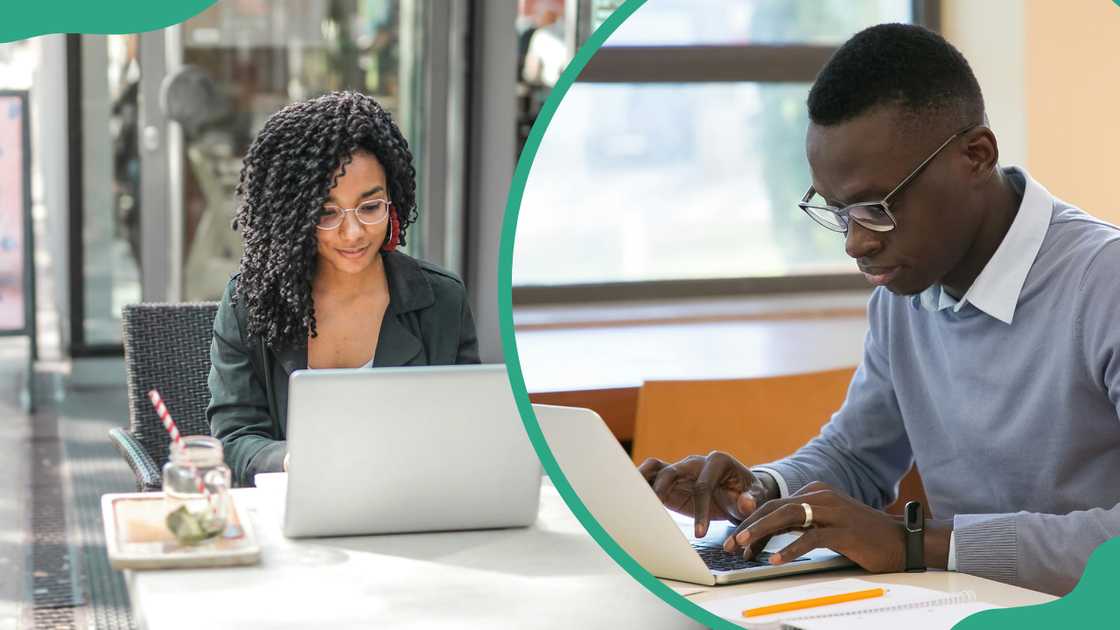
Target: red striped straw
[177, 440]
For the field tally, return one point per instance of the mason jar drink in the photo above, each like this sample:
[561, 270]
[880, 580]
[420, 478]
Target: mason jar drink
[192, 515]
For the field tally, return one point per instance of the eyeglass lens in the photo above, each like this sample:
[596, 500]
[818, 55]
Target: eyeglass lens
[871, 216]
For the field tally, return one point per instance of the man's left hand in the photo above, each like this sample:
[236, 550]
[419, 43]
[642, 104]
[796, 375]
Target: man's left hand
[871, 538]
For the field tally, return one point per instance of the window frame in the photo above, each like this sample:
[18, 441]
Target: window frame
[755, 63]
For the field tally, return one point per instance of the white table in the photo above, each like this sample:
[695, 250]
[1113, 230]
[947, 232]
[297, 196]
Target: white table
[551, 575]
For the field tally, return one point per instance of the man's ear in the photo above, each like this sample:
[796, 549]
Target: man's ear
[982, 152]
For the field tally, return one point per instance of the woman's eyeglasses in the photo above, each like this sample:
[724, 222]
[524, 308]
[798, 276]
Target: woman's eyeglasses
[873, 215]
[368, 213]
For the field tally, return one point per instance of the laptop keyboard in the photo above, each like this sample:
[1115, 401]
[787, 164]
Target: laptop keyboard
[719, 560]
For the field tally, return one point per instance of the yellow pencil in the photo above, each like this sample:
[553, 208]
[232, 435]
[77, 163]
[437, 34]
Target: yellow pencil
[816, 601]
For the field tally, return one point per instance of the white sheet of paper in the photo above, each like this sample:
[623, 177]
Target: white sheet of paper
[732, 608]
[931, 618]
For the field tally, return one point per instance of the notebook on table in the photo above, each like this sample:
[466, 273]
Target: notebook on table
[902, 606]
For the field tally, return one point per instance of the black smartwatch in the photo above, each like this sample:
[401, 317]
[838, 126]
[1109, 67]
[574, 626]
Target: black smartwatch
[915, 524]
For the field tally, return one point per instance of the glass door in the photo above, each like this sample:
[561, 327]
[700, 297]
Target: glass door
[105, 241]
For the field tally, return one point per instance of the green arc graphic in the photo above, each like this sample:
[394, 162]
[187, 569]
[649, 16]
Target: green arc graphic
[29, 19]
[1087, 606]
[1087, 602]
[509, 342]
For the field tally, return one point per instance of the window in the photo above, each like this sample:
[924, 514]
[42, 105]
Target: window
[219, 75]
[685, 134]
[718, 22]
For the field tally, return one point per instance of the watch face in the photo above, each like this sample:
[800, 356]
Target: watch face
[914, 516]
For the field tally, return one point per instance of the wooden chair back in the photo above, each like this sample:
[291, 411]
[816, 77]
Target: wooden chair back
[757, 420]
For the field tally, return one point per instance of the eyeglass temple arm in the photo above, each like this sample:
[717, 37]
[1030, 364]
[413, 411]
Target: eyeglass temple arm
[929, 159]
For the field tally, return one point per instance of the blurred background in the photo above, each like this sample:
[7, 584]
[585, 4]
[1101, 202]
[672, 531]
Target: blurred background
[659, 237]
[686, 132]
[137, 140]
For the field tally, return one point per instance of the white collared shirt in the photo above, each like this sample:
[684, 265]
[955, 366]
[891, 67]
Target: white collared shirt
[996, 290]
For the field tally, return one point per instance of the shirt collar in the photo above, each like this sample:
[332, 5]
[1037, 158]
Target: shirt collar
[409, 289]
[936, 298]
[996, 290]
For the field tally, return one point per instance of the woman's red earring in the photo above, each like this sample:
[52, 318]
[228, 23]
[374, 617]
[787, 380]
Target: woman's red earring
[393, 238]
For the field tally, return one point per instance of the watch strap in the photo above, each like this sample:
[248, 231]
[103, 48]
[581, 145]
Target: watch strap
[914, 525]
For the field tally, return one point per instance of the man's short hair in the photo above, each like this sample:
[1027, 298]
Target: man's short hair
[897, 65]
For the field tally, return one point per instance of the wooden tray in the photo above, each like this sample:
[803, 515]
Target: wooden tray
[136, 536]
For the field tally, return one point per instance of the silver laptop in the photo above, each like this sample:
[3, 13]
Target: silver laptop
[416, 449]
[661, 541]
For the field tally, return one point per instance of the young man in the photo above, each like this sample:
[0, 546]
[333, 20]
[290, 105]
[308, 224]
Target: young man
[993, 356]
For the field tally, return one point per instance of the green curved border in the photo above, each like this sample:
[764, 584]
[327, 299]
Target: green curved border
[1086, 606]
[509, 342]
[28, 19]
[1088, 602]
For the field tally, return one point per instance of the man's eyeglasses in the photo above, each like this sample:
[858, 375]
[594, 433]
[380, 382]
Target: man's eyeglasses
[370, 212]
[873, 215]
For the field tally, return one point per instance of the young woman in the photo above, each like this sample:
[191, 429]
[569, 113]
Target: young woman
[327, 194]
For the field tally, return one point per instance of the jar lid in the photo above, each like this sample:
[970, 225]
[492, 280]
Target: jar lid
[200, 450]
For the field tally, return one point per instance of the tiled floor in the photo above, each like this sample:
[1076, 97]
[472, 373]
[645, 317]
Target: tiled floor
[57, 463]
[86, 415]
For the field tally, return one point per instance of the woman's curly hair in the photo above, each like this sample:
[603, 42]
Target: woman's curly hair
[286, 177]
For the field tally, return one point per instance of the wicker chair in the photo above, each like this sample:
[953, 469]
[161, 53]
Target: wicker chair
[166, 347]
